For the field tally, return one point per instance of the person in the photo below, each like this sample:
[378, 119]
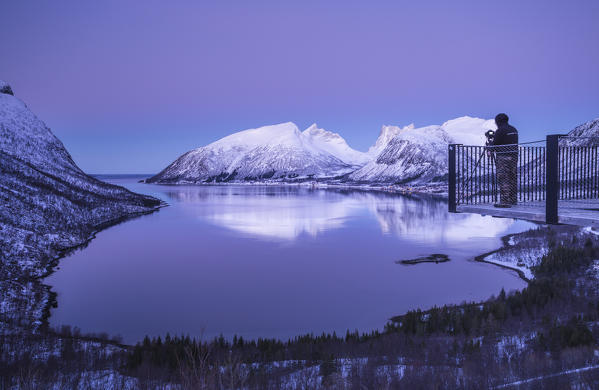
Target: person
[505, 147]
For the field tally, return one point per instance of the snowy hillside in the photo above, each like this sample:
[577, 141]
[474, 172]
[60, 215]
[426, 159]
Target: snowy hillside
[419, 155]
[278, 152]
[48, 203]
[588, 134]
[385, 136]
[334, 144]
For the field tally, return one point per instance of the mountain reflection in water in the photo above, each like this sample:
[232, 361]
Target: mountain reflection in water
[287, 212]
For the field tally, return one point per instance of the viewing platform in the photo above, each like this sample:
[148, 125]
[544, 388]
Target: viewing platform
[557, 180]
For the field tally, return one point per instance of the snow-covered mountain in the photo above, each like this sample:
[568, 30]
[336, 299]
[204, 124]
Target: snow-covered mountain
[385, 136]
[282, 152]
[586, 134]
[400, 155]
[47, 203]
[277, 152]
[419, 155]
[334, 144]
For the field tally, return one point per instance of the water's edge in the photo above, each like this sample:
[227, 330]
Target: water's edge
[53, 263]
[52, 301]
[505, 241]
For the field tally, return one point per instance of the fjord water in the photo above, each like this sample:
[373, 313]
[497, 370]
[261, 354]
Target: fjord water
[274, 261]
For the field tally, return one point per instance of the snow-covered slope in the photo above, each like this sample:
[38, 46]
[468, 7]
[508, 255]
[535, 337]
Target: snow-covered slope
[25, 137]
[586, 134]
[385, 136]
[277, 152]
[419, 155]
[47, 202]
[334, 144]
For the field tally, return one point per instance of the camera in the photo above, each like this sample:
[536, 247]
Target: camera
[490, 134]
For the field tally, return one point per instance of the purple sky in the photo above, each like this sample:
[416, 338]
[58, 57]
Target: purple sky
[130, 86]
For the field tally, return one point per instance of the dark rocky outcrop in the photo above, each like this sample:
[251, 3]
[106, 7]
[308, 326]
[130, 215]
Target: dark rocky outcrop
[5, 88]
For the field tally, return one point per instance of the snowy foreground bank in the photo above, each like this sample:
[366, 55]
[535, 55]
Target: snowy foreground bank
[524, 251]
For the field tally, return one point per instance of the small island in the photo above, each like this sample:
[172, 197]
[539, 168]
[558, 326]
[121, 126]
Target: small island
[434, 258]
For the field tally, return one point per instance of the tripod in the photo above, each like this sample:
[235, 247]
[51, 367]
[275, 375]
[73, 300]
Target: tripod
[492, 160]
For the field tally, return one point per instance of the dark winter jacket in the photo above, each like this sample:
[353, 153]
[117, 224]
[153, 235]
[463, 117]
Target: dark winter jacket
[505, 134]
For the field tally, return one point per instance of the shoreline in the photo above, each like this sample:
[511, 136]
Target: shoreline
[505, 244]
[390, 188]
[53, 263]
[51, 267]
[97, 229]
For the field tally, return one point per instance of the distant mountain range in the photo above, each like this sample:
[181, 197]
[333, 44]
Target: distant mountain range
[284, 153]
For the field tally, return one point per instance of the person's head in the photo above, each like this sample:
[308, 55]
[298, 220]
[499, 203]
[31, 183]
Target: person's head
[501, 119]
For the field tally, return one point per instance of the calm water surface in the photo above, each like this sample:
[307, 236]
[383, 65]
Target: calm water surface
[265, 261]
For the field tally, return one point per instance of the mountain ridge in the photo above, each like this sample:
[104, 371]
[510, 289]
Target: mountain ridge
[273, 152]
[585, 134]
[419, 155]
[283, 153]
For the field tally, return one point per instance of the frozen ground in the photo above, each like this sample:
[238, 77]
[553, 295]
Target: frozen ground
[524, 251]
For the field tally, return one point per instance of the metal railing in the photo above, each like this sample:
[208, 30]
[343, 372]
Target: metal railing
[477, 176]
[578, 172]
[565, 168]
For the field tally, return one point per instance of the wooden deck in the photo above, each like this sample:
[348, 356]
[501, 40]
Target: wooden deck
[570, 212]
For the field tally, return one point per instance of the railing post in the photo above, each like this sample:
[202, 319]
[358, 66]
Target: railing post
[452, 201]
[552, 179]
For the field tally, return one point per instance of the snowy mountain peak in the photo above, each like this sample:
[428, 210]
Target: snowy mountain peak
[313, 128]
[468, 130]
[282, 133]
[313, 131]
[24, 136]
[334, 144]
[387, 134]
[466, 119]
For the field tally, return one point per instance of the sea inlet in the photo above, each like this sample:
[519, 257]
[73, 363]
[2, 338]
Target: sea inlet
[274, 262]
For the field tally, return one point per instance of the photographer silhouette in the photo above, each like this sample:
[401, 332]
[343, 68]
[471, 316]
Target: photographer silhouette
[504, 144]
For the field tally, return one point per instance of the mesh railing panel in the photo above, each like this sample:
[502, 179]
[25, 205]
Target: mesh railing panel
[476, 180]
[563, 173]
[578, 172]
[517, 173]
[505, 174]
